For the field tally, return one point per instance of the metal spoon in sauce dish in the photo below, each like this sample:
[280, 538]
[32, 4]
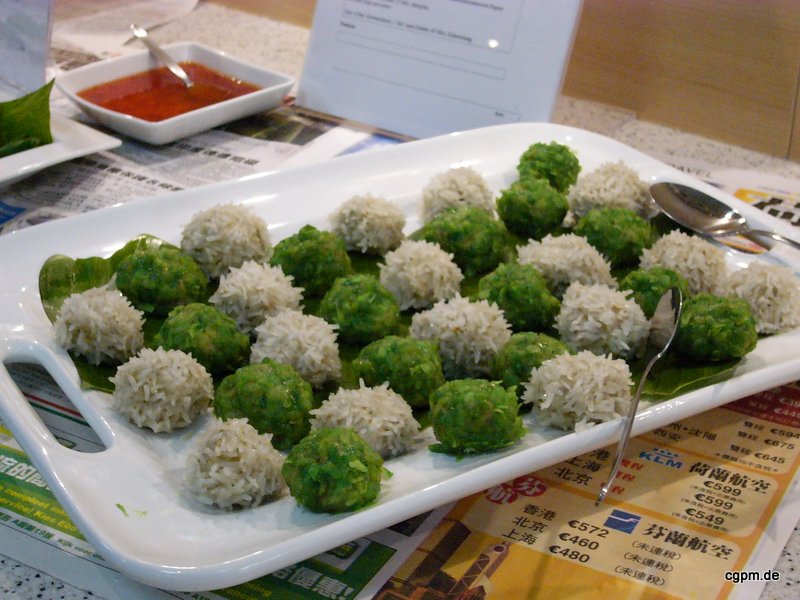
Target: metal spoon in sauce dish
[663, 327]
[708, 216]
[162, 56]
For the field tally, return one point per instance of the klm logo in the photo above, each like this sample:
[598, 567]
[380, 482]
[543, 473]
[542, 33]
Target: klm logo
[662, 457]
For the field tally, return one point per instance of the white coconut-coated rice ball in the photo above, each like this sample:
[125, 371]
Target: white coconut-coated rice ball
[573, 392]
[611, 185]
[601, 320]
[101, 325]
[566, 258]
[369, 224]
[701, 263]
[306, 342]
[773, 293]
[420, 273]
[161, 389]
[251, 293]
[232, 466]
[459, 186]
[469, 334]
[226, 236]
[379, 415]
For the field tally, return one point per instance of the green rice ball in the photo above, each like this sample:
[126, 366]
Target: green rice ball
[521, 293]
[531, 207]
[716, 328]
[210, 336]
[555, 162]
[475, 238]
[362, 307]
[313, 258]
[156, 280]
[413, 368]
[619, 234]
[648, 285]
[272, 397]
[333, 470]
[471, 416]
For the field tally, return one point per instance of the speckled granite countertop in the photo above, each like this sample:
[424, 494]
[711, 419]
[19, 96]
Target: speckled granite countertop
[281, 47]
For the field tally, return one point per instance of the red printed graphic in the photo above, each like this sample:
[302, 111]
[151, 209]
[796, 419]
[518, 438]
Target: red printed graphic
[508, 492]
[779, 405]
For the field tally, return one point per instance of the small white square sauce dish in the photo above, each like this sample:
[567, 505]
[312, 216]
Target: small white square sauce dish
[274, 86]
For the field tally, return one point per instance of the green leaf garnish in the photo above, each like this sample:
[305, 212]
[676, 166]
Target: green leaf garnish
[673, 376]
[25, 121]
[94, 377]
[62, 276]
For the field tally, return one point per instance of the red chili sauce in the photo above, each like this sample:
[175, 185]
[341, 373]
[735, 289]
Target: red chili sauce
[157, 94]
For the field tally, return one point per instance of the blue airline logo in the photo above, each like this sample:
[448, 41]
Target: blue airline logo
[622, 521]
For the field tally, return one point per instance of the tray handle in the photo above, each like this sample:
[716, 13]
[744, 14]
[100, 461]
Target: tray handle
[18, 414]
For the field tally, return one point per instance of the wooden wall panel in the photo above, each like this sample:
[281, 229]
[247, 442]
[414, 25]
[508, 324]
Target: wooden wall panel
[794, 146]
[296, 12]
[725, 69]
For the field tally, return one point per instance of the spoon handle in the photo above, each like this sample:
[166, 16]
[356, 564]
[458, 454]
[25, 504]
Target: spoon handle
[663, 327]
[777, 237]
[624, 436]
[162, 56]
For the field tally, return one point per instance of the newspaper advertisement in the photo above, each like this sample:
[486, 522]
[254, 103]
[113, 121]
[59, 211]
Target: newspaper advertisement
[692, 514]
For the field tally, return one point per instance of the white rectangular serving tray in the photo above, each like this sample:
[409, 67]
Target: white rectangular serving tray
[169, 540]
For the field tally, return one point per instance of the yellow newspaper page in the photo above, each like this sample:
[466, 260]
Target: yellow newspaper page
[688, 508]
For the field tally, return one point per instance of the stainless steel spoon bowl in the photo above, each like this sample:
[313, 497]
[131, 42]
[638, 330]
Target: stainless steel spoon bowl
[704, 214]
[162, 56]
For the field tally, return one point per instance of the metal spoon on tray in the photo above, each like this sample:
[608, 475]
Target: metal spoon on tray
[162, 56]
[663, 326]
[706, 215]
